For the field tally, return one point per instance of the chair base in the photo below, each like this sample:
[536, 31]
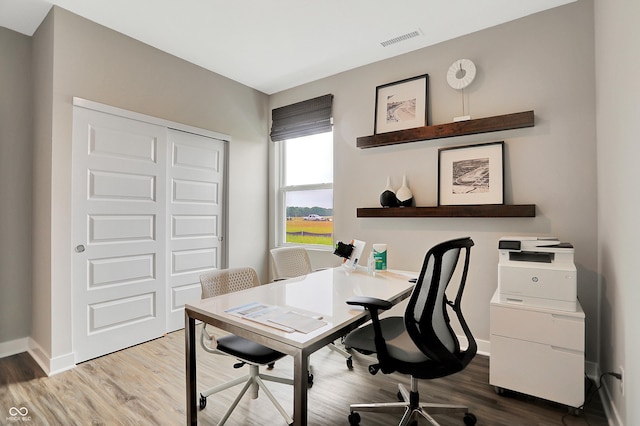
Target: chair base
[411, 408]
[344, 353]
[255, 380]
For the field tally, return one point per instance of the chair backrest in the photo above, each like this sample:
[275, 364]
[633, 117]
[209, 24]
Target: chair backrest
[223, 281]
[426, 317]
[290, 262]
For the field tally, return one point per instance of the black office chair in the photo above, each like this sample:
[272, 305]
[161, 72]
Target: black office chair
[222, 281]
[421, 344]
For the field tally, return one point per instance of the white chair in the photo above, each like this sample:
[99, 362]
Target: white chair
[253, 354]
[291, 262]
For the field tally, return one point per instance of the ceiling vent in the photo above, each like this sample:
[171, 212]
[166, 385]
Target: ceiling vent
[403, 37]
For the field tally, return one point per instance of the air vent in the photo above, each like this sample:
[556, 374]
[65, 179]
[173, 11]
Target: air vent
[403, 37]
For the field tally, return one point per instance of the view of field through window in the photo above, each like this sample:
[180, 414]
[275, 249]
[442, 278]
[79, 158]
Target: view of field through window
[308, 189]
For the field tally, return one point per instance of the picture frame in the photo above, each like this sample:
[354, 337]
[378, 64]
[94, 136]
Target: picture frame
[401, 105]
[471, 174]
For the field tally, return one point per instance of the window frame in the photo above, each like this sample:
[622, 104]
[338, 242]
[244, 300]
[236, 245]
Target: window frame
[282, 190]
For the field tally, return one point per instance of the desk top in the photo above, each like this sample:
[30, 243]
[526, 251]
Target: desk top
[322, 293]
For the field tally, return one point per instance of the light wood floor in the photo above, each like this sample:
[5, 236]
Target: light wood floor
[145, 385]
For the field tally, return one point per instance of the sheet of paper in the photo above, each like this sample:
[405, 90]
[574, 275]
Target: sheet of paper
[277, 317]
[251, 308]
[261, 313]
[299, 322]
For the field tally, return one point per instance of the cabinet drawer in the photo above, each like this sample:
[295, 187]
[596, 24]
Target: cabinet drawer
[560, 330]
[536, 369]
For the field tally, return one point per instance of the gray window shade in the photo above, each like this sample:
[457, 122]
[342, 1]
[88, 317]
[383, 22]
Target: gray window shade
[304, 118]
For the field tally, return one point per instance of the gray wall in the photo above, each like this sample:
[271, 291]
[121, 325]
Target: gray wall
[40, 308]
[618, 124]
[16, 148]
[544, 63]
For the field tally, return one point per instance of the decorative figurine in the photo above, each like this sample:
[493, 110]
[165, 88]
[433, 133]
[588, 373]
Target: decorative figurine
[404, 195]
[388, 197]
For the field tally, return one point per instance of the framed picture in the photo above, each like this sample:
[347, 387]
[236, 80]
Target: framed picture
[401, 105]
[471, 174]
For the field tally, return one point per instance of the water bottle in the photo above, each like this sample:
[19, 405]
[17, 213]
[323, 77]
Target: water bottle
[371, 264]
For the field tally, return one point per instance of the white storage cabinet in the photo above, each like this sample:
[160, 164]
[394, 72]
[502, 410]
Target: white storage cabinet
[537, 351]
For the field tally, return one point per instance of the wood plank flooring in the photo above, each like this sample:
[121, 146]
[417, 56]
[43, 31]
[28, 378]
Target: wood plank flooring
[145, 385]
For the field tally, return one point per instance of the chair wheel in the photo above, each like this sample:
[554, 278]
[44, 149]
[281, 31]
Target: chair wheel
[354, 418]
[350, 363]
[203, 401]
[470, 419]
[271, 365]
[310, 379]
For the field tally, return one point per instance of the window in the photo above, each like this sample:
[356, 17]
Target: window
[303, 138]
[305, 213]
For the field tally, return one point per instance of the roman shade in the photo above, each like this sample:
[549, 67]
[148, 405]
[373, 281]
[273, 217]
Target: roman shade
[304, 118]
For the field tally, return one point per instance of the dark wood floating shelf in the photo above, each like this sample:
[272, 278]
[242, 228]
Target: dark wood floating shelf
[516, 120]
[485, 210]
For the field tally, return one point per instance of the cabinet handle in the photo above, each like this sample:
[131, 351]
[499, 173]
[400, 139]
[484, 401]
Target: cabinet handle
[567, 350]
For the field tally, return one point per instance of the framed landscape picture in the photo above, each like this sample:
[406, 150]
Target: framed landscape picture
[472, 174]
[401, 105]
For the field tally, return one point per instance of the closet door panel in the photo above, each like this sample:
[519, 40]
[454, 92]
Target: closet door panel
[196, 217]
[119, 232]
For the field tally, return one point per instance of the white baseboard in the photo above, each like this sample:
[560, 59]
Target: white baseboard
[484, 347]
[592, 370]
[610, 411]
[613, 417]
[14, 347]
[48, 364]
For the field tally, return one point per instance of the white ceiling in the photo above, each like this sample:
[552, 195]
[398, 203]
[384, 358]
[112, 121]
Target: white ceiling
[278, 44]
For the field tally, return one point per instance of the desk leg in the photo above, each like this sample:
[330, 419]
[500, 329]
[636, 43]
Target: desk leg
[300, 385]
[190, 356]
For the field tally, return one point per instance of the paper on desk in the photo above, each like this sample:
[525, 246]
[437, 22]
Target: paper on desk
[299, 322]
[277, 317]
[260, 313]
[251, 308]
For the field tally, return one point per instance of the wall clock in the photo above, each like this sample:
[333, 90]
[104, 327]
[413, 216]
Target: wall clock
[461, 74]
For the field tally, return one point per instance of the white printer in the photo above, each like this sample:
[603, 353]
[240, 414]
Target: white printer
[537, 271]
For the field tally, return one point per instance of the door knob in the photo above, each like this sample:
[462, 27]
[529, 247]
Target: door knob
[79, 248]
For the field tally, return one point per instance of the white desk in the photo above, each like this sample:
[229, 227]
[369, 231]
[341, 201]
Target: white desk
[320, 293]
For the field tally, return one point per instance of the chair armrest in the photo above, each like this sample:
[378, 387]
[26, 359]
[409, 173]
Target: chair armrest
[374, 306]
[208, 341]
[371, 303]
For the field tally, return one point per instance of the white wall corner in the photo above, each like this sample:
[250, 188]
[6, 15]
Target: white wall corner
[14, 347]
[50, 365]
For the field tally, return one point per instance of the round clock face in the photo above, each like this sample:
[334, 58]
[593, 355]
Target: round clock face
[461, 73]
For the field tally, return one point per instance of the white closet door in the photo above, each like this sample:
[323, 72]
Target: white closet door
[119, 232]
[195, 209]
